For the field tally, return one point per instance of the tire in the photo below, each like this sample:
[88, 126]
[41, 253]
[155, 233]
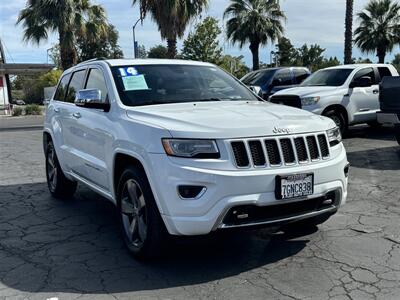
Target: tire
[339, 120]
[59, 185]
[142, 227]
[398, 138]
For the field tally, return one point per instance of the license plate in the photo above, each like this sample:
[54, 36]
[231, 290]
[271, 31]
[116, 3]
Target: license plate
[294, 186]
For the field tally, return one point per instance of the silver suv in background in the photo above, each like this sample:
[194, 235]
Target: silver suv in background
[348, 94]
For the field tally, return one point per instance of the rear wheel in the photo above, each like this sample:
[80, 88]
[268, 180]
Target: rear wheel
[143, 230]
[339, 120]
[59, 185]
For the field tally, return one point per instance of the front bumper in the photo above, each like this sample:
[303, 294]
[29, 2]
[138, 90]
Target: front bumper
[227, 189]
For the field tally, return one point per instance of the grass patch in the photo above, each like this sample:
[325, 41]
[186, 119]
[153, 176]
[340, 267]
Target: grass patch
[17, 111]
[33, 109]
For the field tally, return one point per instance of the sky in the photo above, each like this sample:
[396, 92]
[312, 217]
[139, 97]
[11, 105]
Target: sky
[308, 21]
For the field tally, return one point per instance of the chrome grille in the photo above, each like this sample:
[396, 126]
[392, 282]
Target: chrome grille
[275, 152]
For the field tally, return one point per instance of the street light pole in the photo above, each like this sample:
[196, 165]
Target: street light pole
[134, 38]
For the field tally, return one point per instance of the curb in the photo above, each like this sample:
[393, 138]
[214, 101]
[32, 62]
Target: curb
[17, 128]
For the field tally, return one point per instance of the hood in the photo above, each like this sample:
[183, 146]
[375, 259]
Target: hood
[228, 119]
[306, 91]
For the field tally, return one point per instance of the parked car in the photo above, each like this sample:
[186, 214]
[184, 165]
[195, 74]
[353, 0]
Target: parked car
[266, 82]
[390, 104]
[19, 102]
[349, 94]
[183, 148]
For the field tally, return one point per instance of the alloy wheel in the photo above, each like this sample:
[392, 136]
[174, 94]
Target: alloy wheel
[52, 168]
[133, 212]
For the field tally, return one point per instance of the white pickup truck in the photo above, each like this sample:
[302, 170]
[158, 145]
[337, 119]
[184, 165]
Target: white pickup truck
[348, 94]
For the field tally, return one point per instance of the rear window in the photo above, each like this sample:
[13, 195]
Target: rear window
[258, 78]
[62, 88]
[384, 72]
[75, 85]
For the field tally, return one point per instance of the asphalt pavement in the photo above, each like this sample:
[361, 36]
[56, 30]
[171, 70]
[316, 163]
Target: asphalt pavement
[72, 249]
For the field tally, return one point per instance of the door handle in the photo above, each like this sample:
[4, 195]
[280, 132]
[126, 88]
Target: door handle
[76, 115]
[56, 110]
[375, 91]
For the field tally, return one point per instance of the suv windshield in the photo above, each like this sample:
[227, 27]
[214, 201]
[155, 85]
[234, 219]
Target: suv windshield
[328, 77]
[159, 84]
[258, 78]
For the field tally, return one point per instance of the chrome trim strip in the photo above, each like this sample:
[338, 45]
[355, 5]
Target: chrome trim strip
[298, 217]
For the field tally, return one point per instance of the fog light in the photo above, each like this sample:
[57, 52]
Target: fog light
[191, 191]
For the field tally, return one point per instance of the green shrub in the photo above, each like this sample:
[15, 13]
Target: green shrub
[17, 111]
[33, 109]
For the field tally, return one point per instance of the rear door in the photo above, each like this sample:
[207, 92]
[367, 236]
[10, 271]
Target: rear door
[365, 100]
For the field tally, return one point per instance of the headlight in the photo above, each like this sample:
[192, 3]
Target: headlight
[309, 100]
[334, 136]
[191, 148]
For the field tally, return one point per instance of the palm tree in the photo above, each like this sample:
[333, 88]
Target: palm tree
[172, 17]
[68, 18]
[256, 22]
[348, 35]
[379, 28]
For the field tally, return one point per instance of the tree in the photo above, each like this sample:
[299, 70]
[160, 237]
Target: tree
[158, 51]
[141, 51]
[348, 35]
[361, 60]
[379, 29]
[68, 18]
[255, 22]
[32, 86]
[172, 17]
[55, 56]
[287, 53]
[310, 56]
[106, 46]
[330, 62]
[203, 44]
[234, 65]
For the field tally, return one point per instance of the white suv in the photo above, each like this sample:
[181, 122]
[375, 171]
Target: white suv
[348, 94]
[183, 148]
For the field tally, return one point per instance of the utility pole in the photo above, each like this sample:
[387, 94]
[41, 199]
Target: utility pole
[135, 48]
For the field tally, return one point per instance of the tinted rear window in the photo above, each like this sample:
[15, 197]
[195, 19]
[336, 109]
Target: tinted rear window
[258, 78]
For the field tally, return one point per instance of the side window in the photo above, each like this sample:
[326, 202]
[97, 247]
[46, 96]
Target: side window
[96, 81]
[75, 85]
[365, 72]
[384, 71]
[300, 75]
[284, 77]
[62, 88]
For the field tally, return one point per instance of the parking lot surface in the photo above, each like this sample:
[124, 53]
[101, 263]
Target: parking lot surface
[72, 249]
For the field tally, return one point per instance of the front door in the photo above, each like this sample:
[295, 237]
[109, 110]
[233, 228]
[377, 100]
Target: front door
[365, 100]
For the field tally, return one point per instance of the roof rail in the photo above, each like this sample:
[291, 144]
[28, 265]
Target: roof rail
[90, 60]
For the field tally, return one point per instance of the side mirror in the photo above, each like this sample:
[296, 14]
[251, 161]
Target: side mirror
[256, 90]
[91, 98]
[365, 81]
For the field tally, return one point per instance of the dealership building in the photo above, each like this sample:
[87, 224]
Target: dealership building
[7, 69]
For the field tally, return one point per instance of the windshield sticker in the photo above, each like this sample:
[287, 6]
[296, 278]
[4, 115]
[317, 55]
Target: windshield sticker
[135, 83]
[129, 71]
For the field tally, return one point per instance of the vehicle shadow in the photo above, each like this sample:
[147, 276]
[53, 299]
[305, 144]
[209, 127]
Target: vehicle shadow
[376, 133]
[47, 245]
[387, 158]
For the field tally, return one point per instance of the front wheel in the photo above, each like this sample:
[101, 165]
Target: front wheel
[59, 185]
[143, 230]
[339, 120]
